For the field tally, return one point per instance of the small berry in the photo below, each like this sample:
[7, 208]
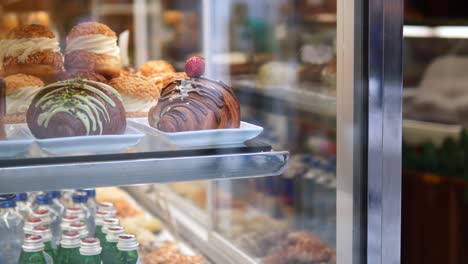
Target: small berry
[194, 67]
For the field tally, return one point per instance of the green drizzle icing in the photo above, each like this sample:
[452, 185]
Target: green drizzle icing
[73, 99]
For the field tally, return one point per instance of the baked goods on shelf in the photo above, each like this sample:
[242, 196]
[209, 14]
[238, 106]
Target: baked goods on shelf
[20, 90]
[302, 247]
[156, 67]
[84, 74]
[120, 201]
[93, 46]
[31, 50]
[170, 254]
[277, 73]
[195, 104]
[138, 93]
[76, 107]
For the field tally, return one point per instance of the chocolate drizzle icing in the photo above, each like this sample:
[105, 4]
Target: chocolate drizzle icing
[199, 99]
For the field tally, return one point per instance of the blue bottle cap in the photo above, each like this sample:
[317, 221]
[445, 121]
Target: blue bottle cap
[21, 197]
[80, 197]
[89, 192]
[55, 194]
[7, 200]
[43, 198]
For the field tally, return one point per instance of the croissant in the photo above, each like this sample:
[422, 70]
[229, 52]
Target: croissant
[195, 104]
[76, 107]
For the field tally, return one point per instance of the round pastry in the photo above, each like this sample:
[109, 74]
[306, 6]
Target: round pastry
[156, 67]
[138, 94]
[195, 104]
[31, 50]
[88, 75]
[76, 107]
[20, 90]
[93, 46]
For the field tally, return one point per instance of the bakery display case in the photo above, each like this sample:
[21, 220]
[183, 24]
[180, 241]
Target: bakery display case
[207, 131]
[434, 134]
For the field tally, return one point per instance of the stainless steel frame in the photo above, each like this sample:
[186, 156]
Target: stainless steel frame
[385, 31]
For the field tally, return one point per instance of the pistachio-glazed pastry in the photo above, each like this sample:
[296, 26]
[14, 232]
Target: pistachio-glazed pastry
[76, 107]
[20, 90]
[93, 46]
[31, 50]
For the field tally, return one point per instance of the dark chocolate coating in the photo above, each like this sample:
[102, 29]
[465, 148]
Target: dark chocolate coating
[209, 105]
[66, 124]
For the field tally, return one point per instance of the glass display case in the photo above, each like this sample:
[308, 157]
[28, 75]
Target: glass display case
[256, 131]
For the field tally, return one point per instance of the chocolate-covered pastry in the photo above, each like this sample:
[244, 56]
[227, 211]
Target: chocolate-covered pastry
[76, 107]
[195, 104]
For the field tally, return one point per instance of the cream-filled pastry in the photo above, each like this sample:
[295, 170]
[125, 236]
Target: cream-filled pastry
[20, 90]
[31, 50]
[93, 46]
[138, 93]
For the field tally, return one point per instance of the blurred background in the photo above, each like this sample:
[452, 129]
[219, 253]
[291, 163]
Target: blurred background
[280, 57]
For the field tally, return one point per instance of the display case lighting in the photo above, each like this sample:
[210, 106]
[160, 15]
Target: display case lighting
[454, 32]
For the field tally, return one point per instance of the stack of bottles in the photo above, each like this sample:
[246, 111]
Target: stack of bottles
[62, 227]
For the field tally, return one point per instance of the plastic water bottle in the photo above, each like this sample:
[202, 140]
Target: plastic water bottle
[22, 205]
[80, 200]
[44, 202]
[92, 207]
[57, 202]
[11, 230]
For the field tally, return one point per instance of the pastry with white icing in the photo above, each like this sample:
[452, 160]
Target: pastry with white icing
[20, 90]
[138, 93]
[31, 50]
[93, 46]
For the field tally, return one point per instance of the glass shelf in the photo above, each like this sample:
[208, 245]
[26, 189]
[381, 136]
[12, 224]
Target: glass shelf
[297, 97]
[251, 159]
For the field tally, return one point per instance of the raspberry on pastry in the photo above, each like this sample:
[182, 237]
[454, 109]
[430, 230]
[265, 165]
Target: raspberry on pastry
[93, 46]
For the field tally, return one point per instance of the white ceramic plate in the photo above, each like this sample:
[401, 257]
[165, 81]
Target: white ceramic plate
[91, 144]
[20, 138]
[202, 137]
[18, 141]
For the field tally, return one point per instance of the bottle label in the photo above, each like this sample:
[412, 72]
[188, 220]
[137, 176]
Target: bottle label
[48, 258]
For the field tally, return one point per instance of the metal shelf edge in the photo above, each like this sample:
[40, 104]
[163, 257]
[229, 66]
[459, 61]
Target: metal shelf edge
[141, 171]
